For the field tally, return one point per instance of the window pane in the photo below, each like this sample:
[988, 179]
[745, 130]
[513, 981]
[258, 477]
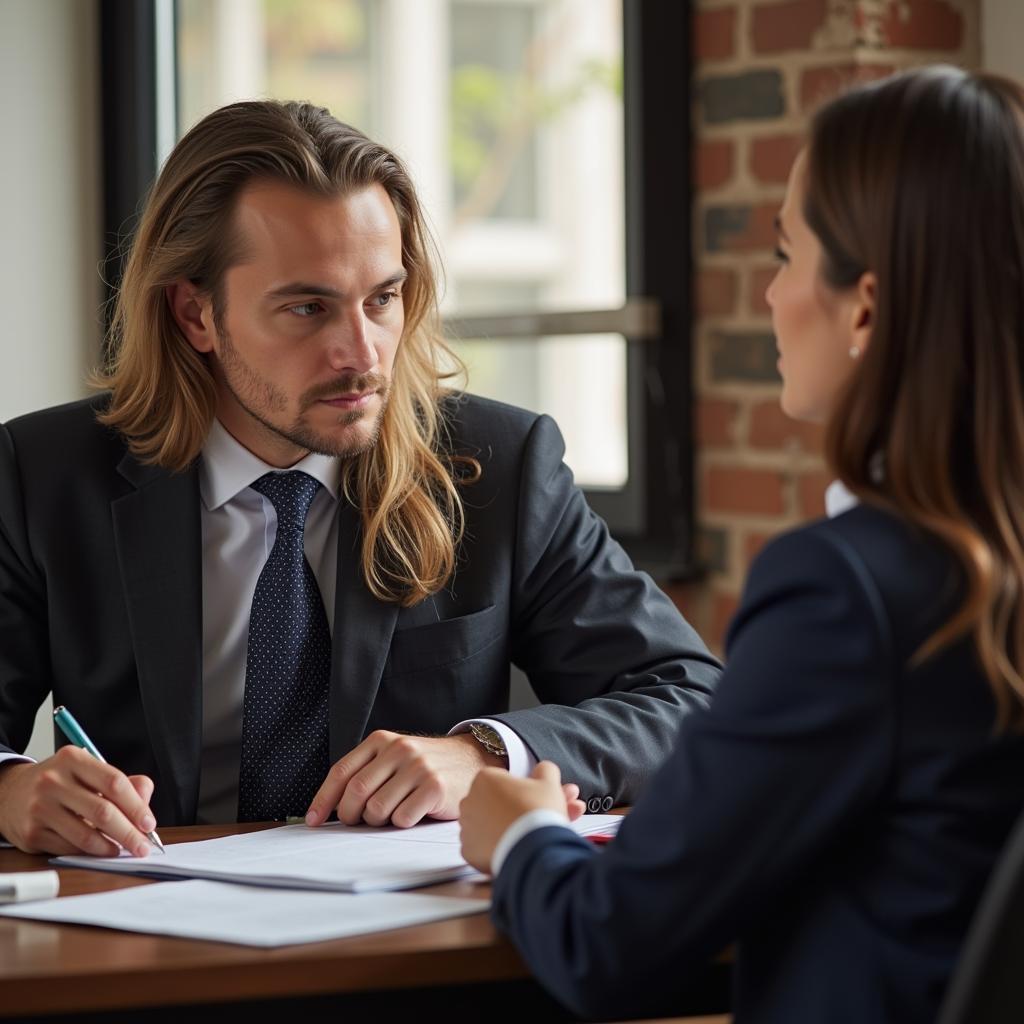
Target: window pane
[493, 154]
[292, 49]
[578, 376]
[509, 114]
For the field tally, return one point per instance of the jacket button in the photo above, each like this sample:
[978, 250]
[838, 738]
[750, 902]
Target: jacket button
[607, 803]
[594, 804]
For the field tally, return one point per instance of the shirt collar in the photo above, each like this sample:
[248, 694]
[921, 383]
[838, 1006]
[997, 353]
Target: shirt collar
[839, 499]
[228, 467]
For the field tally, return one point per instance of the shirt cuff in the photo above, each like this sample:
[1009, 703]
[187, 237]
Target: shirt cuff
[526, 823]
[5, 757]
[521, 761]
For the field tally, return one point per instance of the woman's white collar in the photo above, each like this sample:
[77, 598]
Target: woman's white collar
[839, 499]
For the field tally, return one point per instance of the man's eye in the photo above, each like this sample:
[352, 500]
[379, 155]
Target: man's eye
[306, 309]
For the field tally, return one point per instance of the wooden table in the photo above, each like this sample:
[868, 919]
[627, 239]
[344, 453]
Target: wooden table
[108, 975]
[455, 970]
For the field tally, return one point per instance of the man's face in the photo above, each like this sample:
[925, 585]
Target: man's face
[312, 320]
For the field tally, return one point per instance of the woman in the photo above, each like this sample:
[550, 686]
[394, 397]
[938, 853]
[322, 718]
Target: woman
[838, 808]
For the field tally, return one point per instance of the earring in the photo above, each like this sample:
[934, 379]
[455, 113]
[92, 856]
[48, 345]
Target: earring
[854, 352]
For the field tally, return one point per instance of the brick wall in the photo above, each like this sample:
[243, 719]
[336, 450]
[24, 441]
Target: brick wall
[761, 66]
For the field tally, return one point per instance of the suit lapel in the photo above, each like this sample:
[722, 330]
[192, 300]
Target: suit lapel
[158, 535]
[362, 638]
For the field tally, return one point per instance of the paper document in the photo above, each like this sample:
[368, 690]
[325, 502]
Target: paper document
[335, 857]
[221, 912]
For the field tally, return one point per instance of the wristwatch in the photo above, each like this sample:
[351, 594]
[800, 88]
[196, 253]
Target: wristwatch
[489, 739]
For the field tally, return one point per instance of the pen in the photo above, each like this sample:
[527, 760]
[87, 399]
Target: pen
[69, 726]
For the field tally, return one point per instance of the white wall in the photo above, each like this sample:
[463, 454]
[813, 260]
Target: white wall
[50, 198]
[1002, 37]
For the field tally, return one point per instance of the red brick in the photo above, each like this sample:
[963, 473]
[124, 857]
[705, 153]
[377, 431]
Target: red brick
[770, 427]
[715, 162]
[691, 600]
[714, 33]
[717, 289]
[753, 95]
[820, 84]
[723, 607]
[923, 25]
[713, 548]
[744, 491]
[716, 420]
[752, 545]
[773, 156]
[811, 490]
[762, 227]
[760, 278]
[741, 228]
[787, 26]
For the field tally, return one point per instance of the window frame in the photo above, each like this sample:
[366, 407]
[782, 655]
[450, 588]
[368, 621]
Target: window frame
[659, 265]
[128, 115]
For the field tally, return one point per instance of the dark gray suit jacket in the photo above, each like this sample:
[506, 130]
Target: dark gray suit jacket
[101, 603]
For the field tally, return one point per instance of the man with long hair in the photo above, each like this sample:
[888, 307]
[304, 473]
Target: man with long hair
[277, 566]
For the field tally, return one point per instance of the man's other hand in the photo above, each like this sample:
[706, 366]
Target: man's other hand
[398, 779]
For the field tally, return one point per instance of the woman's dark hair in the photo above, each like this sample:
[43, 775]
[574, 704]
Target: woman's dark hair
[919, 179]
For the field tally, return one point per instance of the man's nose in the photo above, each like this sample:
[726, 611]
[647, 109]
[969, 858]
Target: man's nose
[349, 344]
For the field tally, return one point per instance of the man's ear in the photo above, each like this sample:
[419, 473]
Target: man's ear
[193, 313]
[862, 321]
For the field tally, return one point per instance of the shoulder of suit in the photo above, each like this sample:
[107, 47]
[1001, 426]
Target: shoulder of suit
[476, 423]
[879, 535]
[68, 415]
[65, 431]
[868, 534]
[909, 575]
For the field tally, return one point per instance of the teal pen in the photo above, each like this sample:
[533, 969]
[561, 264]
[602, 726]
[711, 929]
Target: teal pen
[69, 726]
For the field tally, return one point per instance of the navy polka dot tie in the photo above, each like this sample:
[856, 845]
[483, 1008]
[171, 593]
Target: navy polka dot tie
[284, 720]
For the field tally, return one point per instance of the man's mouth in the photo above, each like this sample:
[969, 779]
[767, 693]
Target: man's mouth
[349, 399]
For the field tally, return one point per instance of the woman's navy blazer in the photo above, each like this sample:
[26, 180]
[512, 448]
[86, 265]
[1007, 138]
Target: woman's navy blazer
[836, 811]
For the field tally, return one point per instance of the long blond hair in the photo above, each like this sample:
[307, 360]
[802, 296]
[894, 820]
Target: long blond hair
[920, 179]
[162, 392]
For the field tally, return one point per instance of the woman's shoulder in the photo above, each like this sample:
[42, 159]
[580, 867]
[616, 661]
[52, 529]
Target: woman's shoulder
[894, 551]
[871, 556]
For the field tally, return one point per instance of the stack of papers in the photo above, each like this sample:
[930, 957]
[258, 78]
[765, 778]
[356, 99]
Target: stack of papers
[219, 912]
[249, 888]
[334, 858]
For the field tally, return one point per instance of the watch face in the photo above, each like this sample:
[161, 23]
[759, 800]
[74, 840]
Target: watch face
[489, 739]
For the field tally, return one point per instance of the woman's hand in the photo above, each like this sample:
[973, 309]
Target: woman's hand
[496, 799]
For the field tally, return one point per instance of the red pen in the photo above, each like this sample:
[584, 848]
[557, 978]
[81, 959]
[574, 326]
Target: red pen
[600, 838]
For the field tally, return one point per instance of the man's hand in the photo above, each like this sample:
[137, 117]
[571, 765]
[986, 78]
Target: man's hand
[496, 800]
[401, 779]
[72, 803]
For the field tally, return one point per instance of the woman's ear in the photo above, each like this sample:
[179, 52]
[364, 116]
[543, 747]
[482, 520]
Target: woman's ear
[193, 313]
[862, 318]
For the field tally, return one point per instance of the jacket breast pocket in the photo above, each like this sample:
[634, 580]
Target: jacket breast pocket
[448, 642]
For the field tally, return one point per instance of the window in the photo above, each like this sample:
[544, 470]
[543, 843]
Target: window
[558, 194]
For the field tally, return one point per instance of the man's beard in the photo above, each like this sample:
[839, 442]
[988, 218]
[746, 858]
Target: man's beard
[260, 398]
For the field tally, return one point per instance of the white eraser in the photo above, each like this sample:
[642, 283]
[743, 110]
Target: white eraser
[22, 886]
